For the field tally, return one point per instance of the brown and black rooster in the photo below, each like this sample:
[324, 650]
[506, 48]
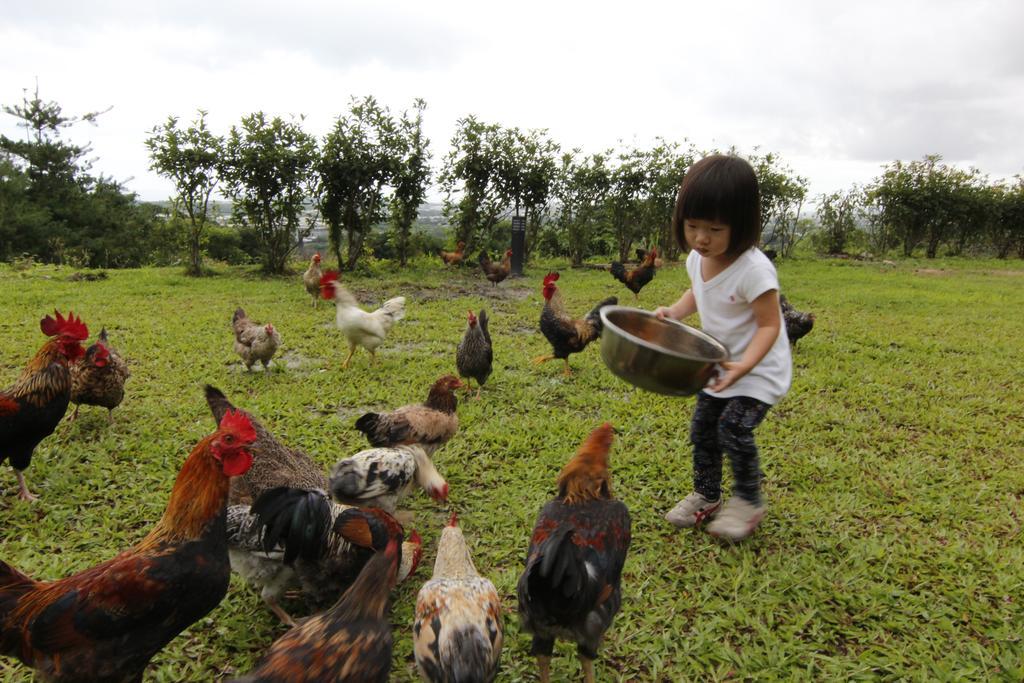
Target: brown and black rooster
[104, 624]
[454, 258]
[98, 378]
[638, 277]
[474, 356]
[496, 272]
[571, 585]
[349, 643]
[35, 404]
[567, 335]
[430, 424]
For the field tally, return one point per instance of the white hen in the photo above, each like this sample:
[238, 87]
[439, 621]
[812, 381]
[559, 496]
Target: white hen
[360, 328]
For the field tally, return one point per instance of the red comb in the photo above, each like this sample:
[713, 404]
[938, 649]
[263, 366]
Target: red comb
[329, 277]
[70, 327]
[549, 278]
[238, 422]
[414, 538]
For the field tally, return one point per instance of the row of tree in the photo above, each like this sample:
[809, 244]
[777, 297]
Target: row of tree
[372, 171]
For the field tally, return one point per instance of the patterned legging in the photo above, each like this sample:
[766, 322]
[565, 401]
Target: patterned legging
[726, 424]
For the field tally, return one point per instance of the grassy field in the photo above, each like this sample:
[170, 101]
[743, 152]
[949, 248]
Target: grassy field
[891, 550]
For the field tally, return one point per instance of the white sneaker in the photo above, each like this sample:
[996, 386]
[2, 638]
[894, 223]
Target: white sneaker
[693, 510]
[737, 520]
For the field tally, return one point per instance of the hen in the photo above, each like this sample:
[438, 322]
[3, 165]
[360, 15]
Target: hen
[98, 378]
[311, 279]
[380, 477]
[34, 405]
[571, 585]
[798, 324]
[359, 327]
[474, 356]
[496, 272]
[287, 484]
[566, 334]
[457, 634]
[254, 342]
[638, 277]
[454, 258]
[349, 643]
[104, 624]
[430, 424]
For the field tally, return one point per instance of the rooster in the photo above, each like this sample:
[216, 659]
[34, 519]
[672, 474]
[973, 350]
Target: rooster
[104, 624]
[638, 277]
[454, 258]
[496, 272]
[571, 585]
[430, 424]
[349, 643]
[380, 477]
[457, 634]
[285, 483]
[565, 334]
[98, 378]
[311, 279]
[798, 324]
[474, 356]
[254, 342]
[359, 327]
[35, 404]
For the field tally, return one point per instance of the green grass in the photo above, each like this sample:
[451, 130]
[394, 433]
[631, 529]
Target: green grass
[891, 549]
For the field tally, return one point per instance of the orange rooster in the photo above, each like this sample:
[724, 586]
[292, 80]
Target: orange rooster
[104, 624]
[349, 643]
[567, 335]
[457, 635]
[496, 272]
[35, 404]
[570, 587]
[454, 258]
[638, 277]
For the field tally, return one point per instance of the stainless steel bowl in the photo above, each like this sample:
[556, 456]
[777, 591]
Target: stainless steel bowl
[663, 356]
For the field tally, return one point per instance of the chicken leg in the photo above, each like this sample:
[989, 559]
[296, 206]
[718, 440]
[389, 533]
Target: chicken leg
[544, 665]
[23, 491]
[351, 350]
[588, 669]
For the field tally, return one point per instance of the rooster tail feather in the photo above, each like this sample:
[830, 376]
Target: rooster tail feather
[594, 317]
[395, 307]
[466, 654]
[559, 567]
[482, 321]
[239, 314]
[218, 402]
[13, 584]
[297, 519]
[618, 271]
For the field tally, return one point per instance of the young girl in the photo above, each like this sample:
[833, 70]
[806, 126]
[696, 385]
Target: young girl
[736, 292]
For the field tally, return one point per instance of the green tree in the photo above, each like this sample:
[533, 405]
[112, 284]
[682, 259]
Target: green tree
[837, 216]
[782, 196]
[476, 192]
[189, 158]
[411, 178]
[266, 169]
[359, 161]
[580, 188]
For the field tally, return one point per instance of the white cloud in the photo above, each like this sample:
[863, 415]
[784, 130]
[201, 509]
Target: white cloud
[836, 89]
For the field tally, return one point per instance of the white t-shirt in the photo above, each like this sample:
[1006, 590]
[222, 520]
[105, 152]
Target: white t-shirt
[726, 314]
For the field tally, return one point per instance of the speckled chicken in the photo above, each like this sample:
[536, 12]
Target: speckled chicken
[474, 356]
[570, 587]
[458, 631]
[567, 335]
[349, 643]
[382, 476]
[798, 324]
[98, 378]
[323, 565]
[254, 342]
[430, 424]
[311, 279]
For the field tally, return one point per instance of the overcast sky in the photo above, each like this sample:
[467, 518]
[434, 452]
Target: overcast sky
[836, 88]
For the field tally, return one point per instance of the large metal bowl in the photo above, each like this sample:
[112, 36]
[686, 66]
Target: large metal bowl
[663, 356]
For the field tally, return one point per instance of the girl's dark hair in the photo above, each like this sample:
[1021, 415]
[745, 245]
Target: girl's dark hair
[722, 189]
